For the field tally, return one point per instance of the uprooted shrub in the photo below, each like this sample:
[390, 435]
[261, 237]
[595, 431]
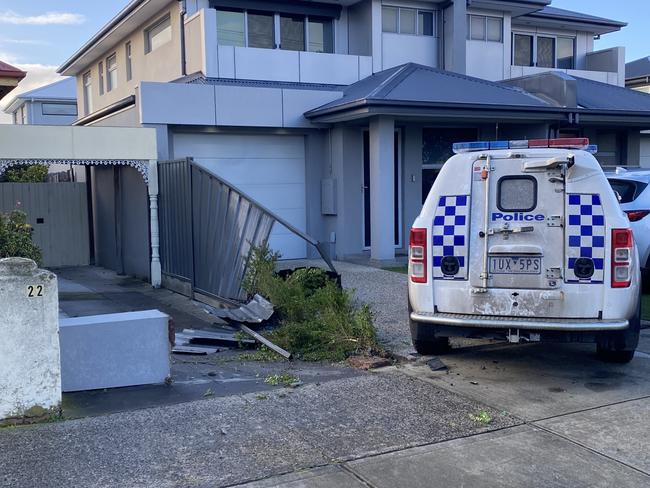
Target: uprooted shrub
[317, 319]
[16, 237]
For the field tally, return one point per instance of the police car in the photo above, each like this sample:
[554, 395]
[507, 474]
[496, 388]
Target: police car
[524, 241]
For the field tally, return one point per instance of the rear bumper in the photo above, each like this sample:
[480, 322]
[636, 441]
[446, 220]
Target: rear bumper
[525, 323]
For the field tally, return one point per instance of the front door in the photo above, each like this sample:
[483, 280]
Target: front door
[396, 191]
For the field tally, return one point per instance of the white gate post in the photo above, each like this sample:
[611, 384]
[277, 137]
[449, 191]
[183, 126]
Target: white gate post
[156, 269]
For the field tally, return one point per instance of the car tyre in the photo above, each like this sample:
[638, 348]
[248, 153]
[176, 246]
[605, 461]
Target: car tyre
[437, 346]
[613, 356]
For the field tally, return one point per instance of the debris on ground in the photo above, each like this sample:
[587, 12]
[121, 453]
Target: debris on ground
[368, 362]
[436, 364]
[284, 379]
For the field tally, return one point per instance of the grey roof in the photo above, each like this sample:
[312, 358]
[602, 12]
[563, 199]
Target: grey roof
[598, 96]
[598, 25]
[417, 85]
[639, 68]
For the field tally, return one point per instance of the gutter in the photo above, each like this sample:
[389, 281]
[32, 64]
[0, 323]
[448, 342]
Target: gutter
[104, 112]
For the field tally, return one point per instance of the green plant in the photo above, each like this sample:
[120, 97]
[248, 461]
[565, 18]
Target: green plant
[317, 319]
[482, 418]
[16, 237]
[36, 173]
[284, 379]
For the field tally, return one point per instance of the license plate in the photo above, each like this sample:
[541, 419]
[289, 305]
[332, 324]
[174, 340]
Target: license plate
[515, 265]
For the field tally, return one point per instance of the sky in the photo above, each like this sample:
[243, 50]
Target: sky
[39, 35]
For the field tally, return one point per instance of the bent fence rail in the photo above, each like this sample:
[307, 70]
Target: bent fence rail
[207, 229]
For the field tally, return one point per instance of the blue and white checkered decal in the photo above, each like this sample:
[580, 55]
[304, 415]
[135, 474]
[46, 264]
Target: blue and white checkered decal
[585, 235]
[450, 238]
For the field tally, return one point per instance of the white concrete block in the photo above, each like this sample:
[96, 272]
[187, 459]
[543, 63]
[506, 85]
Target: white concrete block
[114, 350]
[30, 373]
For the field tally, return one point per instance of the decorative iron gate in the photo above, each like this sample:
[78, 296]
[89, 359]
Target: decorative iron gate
[207, 229]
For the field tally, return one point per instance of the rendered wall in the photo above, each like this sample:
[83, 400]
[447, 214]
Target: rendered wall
[30, 372]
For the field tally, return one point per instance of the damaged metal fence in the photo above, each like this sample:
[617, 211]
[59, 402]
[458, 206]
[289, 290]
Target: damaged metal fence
[207, 229]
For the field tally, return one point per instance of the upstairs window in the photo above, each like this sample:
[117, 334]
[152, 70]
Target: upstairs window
[100, 72]
[87, 83]
[111, 72]
[248, 28]
[411, 21]
[158, 34]
[129, 61]
[544, 51]
[484, 28]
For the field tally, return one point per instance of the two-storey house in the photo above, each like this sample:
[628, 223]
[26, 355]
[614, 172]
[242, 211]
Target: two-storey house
[338, 115]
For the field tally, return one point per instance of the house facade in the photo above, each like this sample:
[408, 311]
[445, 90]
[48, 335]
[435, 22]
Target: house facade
[637, 77]
[339, 115]
[54, 104]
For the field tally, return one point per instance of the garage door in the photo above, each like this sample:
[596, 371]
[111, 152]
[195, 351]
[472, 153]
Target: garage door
[269, 168]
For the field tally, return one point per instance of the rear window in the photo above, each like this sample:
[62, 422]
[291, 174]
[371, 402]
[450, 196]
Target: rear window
[628, 190]
[517, 194]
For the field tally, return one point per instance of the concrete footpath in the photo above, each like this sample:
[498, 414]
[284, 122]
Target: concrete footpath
[583, 424]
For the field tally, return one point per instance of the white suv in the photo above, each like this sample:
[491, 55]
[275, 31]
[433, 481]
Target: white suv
[524, 241]
[634, 196]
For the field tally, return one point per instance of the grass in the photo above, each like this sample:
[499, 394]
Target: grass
[645, 307]
[481, 418]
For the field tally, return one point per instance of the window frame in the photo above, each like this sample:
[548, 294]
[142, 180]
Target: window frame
[128, 55]
[485, 28]
[517, 177]
[100, 70]
[87, 86]
[277, 35]
[535, 36]
[417, 11]
[46, 109]
[110, 86]
[147, 32]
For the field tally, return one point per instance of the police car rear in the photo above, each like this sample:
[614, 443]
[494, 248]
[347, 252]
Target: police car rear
[524, 240]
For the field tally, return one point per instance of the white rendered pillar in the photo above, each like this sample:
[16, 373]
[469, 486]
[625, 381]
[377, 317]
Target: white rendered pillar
[382, 188]
[156, 269]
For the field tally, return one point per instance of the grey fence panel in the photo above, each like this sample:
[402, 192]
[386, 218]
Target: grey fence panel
[58, 213]
[208, 227]
[175, 214]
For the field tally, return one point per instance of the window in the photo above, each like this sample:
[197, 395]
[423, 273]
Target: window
[100, 70]
[20, 116]
[627, 190]
[158, 34]
[261, 30]
[400, 20]
[231, 28]
[523, 50]
[59, 109]
[545, 51]
[437, 149]
[517, 194]
[87, 83]
[482, 28]
[242, 28]
[111, 72]
[321, 35]
[292, 33]
[129, 61]
[565, 52]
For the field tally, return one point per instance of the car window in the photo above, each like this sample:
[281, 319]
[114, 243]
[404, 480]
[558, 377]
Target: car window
[627, 189]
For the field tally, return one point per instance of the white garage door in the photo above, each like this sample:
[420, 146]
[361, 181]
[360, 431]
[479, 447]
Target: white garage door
[269, 168]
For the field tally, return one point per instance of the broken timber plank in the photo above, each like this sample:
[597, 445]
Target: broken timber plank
[265, 341]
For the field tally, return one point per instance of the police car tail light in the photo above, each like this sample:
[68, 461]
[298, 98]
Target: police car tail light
[636, 215]
[418, 255]
[622, 247]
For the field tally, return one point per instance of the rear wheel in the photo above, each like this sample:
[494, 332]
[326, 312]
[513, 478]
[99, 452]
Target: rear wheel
[619, 347]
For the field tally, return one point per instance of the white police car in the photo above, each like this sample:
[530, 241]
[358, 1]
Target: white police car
[525, 241]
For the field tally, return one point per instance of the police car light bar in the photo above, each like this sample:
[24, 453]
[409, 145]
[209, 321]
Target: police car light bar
[566, 143]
